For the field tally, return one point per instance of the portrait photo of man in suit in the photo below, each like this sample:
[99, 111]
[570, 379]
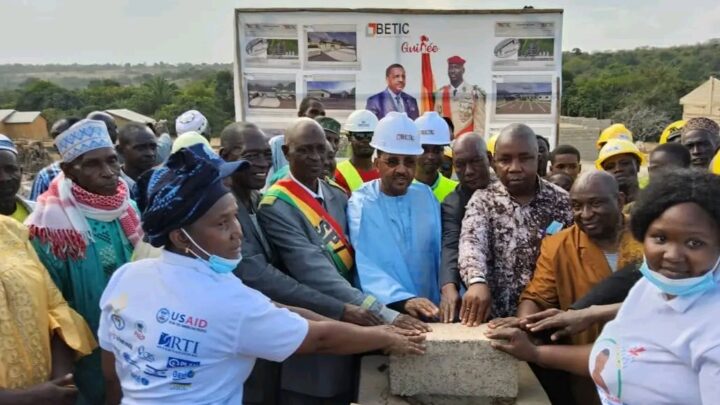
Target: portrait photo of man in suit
[393, 98]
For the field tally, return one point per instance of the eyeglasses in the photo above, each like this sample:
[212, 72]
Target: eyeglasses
[361, 136]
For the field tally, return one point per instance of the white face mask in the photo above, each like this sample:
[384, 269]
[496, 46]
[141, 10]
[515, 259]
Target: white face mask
[218, 264]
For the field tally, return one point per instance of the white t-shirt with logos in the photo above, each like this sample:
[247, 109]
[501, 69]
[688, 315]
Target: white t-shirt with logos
[659, 351]
[182, 333]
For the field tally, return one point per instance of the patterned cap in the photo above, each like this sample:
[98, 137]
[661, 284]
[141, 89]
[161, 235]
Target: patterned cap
[329, 124]
[7, 144]
[84, 136]
[191, 120]
[702, 123]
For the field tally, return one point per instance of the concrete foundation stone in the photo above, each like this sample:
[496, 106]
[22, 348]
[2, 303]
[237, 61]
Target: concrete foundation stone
[459, 362]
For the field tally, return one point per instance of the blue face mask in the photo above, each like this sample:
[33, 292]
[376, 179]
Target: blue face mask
[218, 264]
[684, 286]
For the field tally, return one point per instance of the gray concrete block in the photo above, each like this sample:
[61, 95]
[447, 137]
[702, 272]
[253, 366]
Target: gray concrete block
[459, 362]
[375, 390]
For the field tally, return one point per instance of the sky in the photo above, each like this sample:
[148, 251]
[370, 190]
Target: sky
[197, 31]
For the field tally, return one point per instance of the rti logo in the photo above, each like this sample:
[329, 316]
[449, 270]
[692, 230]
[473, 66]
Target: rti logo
[375, 29]
[178, 344]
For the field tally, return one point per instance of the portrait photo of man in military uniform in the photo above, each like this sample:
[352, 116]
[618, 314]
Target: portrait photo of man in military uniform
[462, 102]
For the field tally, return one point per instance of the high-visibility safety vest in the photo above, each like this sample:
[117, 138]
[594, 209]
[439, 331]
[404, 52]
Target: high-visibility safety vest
[351, 175]
[442, 187]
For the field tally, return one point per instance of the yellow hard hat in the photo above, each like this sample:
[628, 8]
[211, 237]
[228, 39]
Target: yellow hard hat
[187, 140]
[671, 129]
[614, 131]
[447, 152]
[715, 164]
[491, 143]
[615, 147]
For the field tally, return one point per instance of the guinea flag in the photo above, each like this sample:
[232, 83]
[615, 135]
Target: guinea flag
[427, 89]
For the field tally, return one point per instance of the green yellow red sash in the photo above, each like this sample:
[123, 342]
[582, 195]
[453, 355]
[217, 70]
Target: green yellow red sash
[329, 231]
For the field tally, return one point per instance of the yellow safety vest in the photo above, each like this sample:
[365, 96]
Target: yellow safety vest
[351, 175]
[443, 186]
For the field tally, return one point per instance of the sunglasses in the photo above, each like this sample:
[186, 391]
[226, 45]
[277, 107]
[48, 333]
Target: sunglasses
[361, 136]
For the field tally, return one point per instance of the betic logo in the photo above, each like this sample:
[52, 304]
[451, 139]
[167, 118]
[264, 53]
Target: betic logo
[424, 46]
[375, 29]
[165, 315]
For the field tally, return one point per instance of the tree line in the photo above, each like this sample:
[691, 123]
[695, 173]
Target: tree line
[640, 87]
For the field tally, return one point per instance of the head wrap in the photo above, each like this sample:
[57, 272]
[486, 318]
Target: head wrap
[188, 139]
[183, 190]
[83, 137]
[702, 123]
[191, 120]
[7, 144]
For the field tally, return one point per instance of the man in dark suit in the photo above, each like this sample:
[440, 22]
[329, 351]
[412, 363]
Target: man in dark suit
[246, 141]
[393, 98]
[471, 160]
[304, 253]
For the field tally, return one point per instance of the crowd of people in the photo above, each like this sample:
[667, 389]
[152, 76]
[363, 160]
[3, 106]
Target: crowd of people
[146, 267]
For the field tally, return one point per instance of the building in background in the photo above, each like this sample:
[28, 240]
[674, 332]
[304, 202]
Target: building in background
[123, 116]
[704, 101]
[30, 125]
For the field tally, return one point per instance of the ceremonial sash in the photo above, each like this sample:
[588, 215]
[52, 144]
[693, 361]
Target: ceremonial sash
[447, 112]
[351, 175]
[329, 231]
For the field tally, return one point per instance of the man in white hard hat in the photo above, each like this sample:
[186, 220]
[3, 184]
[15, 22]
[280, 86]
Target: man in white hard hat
[352, 173]
[434, 136]
[395, 225]
[192, 120]
[304, 220]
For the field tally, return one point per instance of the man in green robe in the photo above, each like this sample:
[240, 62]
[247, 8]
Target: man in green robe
[83, 228]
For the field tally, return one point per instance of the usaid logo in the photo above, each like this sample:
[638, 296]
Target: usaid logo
[178, 344]
[180, 319]
[375, 29]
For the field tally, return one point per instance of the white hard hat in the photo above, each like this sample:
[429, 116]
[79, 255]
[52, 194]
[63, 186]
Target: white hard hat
[191, 120]
[361, 121]
[433, 129]
[397, 134]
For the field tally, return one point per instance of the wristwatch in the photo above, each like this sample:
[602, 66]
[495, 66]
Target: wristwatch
[476, 280]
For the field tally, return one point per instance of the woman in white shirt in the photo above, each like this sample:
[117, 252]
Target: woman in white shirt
[664, 345]
[182, 328]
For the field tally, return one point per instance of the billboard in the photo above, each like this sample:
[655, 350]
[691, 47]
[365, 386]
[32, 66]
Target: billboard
[482, 69]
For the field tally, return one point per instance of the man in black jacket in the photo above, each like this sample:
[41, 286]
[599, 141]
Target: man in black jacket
[472, 165]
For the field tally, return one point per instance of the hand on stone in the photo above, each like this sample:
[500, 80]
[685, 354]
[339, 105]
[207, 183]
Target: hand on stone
[476, 305]
[568, 323]
[360, 316]
[449, 303]
[404, 342]
[421, 308]
[408, 322]
[514, 342]
[509, 322]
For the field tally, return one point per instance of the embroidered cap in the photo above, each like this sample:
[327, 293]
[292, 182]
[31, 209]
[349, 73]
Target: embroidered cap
[84, 136]
[191, 120]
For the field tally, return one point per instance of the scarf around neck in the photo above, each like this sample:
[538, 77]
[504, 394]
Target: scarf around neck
[60, 217]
